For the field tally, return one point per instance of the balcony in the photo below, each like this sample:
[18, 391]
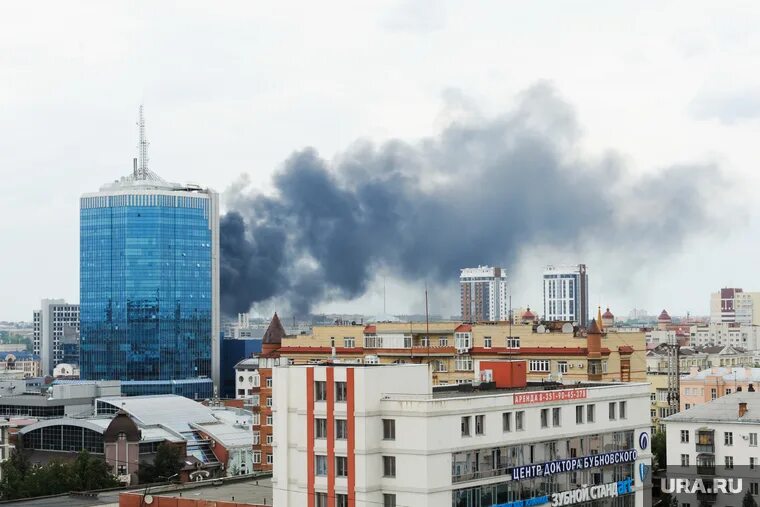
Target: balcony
[706, 469]
[708, 448]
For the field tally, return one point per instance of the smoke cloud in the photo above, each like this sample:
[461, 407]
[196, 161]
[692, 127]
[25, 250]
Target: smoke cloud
[478, 193]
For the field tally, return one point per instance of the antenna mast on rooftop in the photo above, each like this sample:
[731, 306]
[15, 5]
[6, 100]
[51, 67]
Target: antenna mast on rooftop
[142, 167]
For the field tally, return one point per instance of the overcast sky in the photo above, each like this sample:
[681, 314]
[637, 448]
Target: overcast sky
[235, 90]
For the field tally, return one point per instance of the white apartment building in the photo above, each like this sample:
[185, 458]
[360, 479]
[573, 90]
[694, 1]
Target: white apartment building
[484, 295]
[718, 439]
[726, 333]
[55, 323]
[733, 305]
[566, 294]
[350, 435]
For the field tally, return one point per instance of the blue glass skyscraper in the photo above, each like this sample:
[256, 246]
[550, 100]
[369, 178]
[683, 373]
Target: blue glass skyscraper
[149, 285]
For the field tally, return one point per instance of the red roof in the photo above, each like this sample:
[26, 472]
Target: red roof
[664, 316]
[608, 314]
[625, 349]
[463, 328]
[275, 332]
[528, 315]
[370, 329]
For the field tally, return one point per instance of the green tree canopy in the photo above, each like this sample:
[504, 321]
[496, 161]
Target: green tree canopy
[23, 480]
[166, 464]
[659, 450]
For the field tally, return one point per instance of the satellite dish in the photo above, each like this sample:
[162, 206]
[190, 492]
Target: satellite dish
[148, 499]
[567, 327]
[541, 329]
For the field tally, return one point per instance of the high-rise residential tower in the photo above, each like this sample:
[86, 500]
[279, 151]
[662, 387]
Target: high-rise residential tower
[56, 331]
[733, 305]
[566, 294]
[149, 284]
[483, 292]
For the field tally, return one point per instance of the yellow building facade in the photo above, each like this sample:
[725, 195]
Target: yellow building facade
[453, 349]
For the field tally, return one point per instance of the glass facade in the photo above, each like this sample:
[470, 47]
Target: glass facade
[64, 438]
[146, 291]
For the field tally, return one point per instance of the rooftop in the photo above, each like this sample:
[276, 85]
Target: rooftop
[740, 374]
[169, 410]
[723, 409]
[486, 389]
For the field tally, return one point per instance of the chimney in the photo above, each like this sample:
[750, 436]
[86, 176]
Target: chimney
[742, 409]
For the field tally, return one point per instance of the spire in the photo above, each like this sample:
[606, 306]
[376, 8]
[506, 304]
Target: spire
[594, 328]
[142, 148]
[599, 317]
[275, 332]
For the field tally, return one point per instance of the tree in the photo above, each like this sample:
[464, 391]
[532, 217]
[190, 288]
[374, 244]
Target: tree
[659, 450]
[749, 500]
[90, 472]
[23, 480]
[167, 463]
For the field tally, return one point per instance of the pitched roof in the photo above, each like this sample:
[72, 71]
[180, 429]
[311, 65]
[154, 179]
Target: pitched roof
[594, 328]
[275, 332]
[608, 314]
[463, 328]
[723, 409]
[664, 316]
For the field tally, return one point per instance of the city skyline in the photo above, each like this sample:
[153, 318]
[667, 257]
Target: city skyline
[215, 133]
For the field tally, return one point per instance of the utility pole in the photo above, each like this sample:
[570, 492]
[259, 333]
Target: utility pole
[674, 384]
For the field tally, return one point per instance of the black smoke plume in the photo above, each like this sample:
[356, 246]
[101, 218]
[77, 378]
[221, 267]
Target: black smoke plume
[478, 193]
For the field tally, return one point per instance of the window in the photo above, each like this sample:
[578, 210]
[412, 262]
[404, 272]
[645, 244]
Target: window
[270, 459]
[389, 466]
[728, 391]
[622, 409]
[341, 429]
[463, 363]
[462, 340]
[713, 393]
[728, 438]
[753, 439]
[466, 426]
[256, 457]
[320, 390]
[487, 342]
[590, 409]
[241, 378]
[684, 460]
[256, 419]
[389, 500]
[480, 424]
[389, 429]
[506, 421]
[341, 466]
[612, 411]
[539, 365]
[256, 380]
[729, 462]
[562, 367]
[513, 342]
[556, 417]
[269, 382]
[320, 500]
[579, 414]
[256, 437]
[439, 366]
[320, 428]
[544, 417]
[270, 439]
[443, 341]
[520, 420]
[684, 436]
[752, 463]
[269, 420]
[349, 342]
[341, 500]
[753, 488]
[320, 465]
[241, 392]
[269, 401]
[340, 391]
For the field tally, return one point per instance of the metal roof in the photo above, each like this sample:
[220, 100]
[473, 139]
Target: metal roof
[169, 410]
[723, 409]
